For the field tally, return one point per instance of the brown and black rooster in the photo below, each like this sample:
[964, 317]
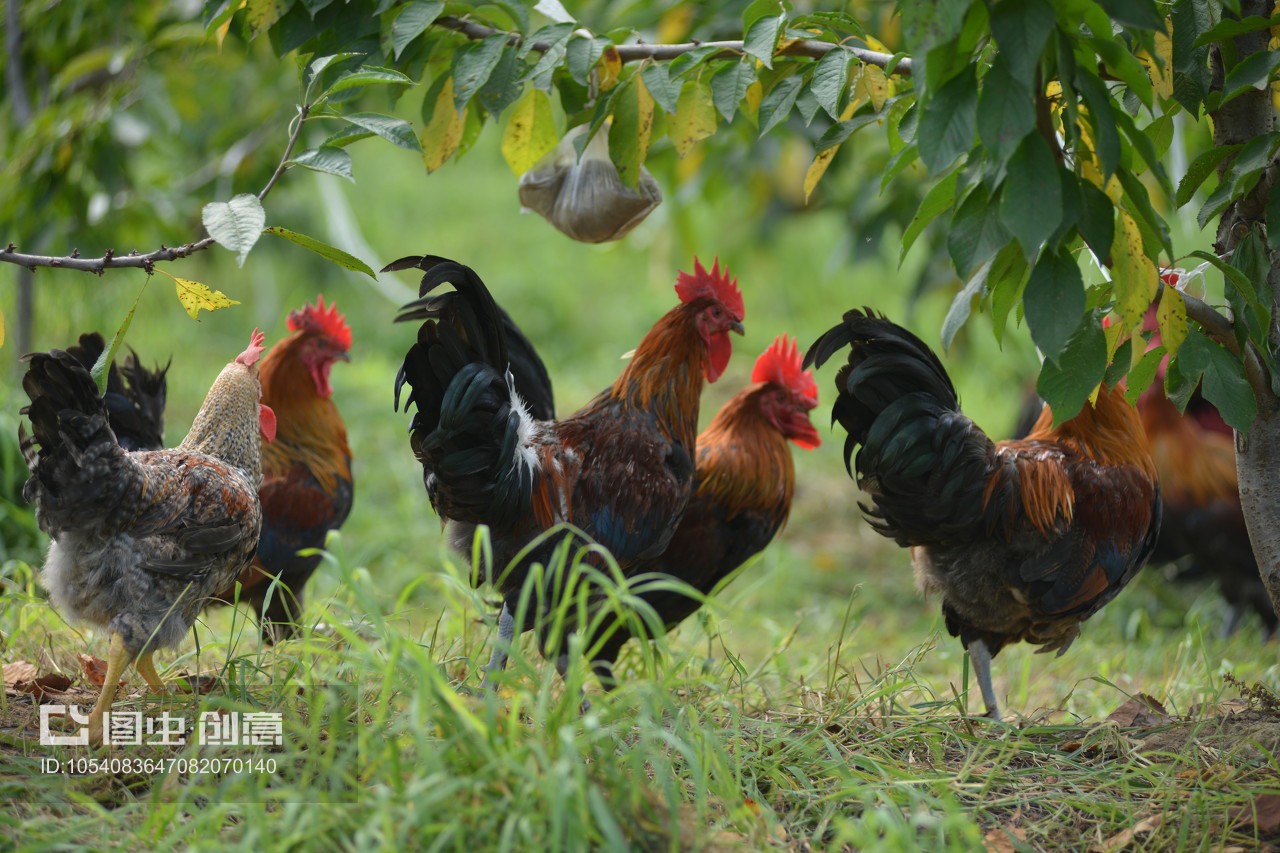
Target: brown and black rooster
[620, 470]
[1024, 539]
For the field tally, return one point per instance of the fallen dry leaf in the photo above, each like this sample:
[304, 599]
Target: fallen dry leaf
[18, 671]
[1001, 839]
[1121, 840]
[1141, 710]
[95, 669]
[1263, 815]
[1220, 709]
[54, 682]
[201, 684]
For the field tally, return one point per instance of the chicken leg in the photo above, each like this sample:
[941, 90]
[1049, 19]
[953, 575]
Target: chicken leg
[147, 669]
[117, 660]
[498, 660]
[981, 659]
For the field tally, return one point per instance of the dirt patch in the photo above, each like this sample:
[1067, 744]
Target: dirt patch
[1245, 735]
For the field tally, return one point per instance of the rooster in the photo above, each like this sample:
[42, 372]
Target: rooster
[1024, 539]
[743, 484]
[307, 487]
[140, 539]
[620, 470]
[135, 396]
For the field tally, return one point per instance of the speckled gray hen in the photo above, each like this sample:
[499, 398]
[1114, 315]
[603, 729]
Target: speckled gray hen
[142, 539]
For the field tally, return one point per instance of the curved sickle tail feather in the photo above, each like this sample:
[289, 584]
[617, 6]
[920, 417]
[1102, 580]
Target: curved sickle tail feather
[923, 462]
[472, 431]
[135, 396]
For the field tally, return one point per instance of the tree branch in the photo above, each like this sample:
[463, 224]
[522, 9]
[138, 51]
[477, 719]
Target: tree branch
[133, 260]
[811, 48]
[1221, 329]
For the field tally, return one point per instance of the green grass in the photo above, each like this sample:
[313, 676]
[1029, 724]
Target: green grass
[816, 702]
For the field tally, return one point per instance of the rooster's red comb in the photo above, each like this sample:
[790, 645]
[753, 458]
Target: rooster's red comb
[254, 351]
[328, 322]
[717, 284]
[781, 364]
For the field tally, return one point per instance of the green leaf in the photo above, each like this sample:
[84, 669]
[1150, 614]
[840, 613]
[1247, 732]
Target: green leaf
[345, 137]
[665, 91]
[1252, 73]
[1054, 301]
[838, 133]
[962, 304]
[1191, 76]
[1223, 378]
[807, 105]
[1097, 222]
[332, 161]
[1232, 27]
[631, 129]
[948, 124]
[1142, 374]
[1006, 283]
[762, 24]
[1200, 169]
[1031, 201]
[1006, 111]
[101, 367]
[976, 233]
[582, 54]
[1021, 28]
[412, 21]
[1066, 384]
[472, 66]
[503, 87]
[369, 75]
[1134, 13]
[235, 224]
[926, 23]
[938, 199]
[394, 130]
[556, 37]
[831, 79]
[324, 250]
[1273, 219]
[1101, 119]
[777, 105]
[729, 86]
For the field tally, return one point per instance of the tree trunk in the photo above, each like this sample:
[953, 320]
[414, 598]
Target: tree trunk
[1258, 453]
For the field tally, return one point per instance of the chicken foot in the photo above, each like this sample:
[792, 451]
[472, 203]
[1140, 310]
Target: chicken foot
[147, 669]
[981, 659]
[117, 660]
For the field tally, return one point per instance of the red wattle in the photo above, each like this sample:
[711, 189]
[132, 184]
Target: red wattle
[719, 348]
[266, 422]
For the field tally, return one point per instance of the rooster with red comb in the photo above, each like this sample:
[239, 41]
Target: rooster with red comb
[307, 487]
[620, 470]
[743, 487]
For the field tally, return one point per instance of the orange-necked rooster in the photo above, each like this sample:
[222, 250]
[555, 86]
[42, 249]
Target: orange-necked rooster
[307, 487]
[140, 540]
[621, 469]
[743, 485]
[1024, 539]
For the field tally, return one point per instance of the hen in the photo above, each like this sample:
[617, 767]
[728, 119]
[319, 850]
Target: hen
[743, 485]
[620, 470]
[141, 539]
[307, 487]
[1024, 539]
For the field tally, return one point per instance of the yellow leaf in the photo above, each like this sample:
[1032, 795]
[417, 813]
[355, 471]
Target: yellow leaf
[755, 94]
[645, 110]
[695, 117]
[818, 167]
[609, 69]
[1162, 77]
[675, 23]
[195, 296]
[1172, 315]
[1133, 274]
[530, 132]
[874, 44]
[263, 14]
[442, 134]
[873, 86]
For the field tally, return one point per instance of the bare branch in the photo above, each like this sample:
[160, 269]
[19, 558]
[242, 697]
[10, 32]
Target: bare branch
[811, 48]
[133, 260]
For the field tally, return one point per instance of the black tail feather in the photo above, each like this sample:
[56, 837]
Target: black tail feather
[135, 396]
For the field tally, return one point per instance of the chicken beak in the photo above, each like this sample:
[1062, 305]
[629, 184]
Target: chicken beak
[342, 356]
[736, 326]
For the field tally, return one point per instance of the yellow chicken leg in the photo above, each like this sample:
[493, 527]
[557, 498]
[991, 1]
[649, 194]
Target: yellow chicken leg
[147, 669]
[116, 662]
